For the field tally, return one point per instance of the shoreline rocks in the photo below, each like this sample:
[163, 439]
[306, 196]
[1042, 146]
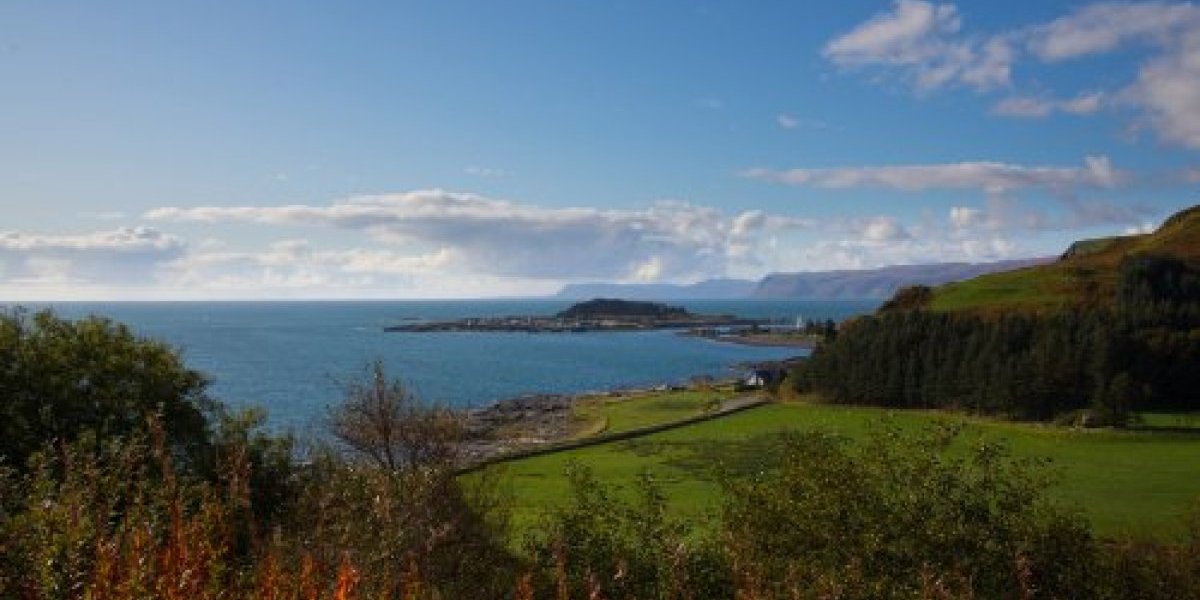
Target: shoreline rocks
[514, 423]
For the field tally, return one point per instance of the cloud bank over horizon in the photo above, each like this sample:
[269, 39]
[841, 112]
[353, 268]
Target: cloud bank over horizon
[438, 243]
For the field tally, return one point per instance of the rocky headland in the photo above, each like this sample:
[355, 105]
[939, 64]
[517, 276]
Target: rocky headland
[600, 314]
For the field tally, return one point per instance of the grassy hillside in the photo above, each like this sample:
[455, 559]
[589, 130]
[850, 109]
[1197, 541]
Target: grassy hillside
[1136, 481]
[1087, 272]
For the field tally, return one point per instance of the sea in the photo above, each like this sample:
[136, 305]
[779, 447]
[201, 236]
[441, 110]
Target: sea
[295, 358]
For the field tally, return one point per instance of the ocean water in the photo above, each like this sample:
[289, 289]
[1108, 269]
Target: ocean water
[294, 358]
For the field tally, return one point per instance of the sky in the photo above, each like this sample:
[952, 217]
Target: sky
[253, 150]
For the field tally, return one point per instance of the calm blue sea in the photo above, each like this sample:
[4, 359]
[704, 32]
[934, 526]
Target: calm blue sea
[293, 358]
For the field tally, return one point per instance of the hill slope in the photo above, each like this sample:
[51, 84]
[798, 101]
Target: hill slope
[1086, 273]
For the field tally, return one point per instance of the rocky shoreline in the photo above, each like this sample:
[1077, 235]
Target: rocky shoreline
[516, 423]
[529, 421]
[562, 325]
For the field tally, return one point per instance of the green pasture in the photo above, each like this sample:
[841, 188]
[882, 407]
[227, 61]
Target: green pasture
[1134, 482]
[612, 414]
[1031, 288]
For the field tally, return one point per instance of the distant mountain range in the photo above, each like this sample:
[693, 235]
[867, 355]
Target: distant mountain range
[877, 283]
[816, 285]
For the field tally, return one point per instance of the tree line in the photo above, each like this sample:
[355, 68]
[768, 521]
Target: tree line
[1137, 352]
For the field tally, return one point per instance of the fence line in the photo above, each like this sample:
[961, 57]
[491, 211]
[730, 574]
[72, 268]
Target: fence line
[605, 438]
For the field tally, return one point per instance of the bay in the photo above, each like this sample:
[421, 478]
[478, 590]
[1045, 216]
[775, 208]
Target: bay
[294, 358]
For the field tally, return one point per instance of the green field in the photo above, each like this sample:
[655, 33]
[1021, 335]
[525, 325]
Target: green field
[612, 414]
[1032, 288]
[1134, 482]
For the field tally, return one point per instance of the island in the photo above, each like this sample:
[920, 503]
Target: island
[599, 314]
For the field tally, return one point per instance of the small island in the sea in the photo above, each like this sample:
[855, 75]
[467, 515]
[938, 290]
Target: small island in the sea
[600, 314]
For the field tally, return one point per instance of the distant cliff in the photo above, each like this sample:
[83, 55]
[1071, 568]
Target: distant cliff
[876, 283]
[815, 285]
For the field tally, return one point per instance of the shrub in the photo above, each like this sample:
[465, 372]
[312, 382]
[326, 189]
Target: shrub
[898, 514]
[599, 545]
[61, 379]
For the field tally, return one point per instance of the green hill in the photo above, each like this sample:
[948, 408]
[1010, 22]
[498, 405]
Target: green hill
[1087, 272]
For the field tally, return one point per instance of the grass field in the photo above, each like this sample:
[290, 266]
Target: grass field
[1134, 482]
[612, 414]
[1032, 288]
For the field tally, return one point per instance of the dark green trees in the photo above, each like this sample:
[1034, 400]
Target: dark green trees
[1136, 352]
[60, 379]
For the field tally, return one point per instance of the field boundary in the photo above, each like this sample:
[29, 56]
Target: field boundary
[730, 407]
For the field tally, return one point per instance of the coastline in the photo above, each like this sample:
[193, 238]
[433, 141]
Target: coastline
[761, 340]
[536, 420]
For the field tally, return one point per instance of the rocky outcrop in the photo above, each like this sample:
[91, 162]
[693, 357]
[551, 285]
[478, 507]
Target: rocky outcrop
[516, 423]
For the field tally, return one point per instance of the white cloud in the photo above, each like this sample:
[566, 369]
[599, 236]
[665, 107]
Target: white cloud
[123, 240]
[295, 264]
[1083, 104]
[922, 39]
[1003, 214]
[962, 217]
[788, 121]
[883, 229]
[1104, 26]
[1168, 88]
[680, 240]
[1030, 107]
[867, 254]
[1140, 229]
[969, 234]
[900, 36]
[991, 177]
[125, 254]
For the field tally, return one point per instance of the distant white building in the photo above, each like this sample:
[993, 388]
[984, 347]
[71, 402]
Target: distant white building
[755, 380]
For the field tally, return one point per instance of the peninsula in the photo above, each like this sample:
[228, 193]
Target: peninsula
[600, 314]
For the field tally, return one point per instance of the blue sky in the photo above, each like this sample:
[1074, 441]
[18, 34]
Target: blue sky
[453, 149]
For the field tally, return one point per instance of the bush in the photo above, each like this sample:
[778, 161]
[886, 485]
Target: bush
[900, 517]
[380, 421]
[600, 546]
[62, 379]
[113, 518]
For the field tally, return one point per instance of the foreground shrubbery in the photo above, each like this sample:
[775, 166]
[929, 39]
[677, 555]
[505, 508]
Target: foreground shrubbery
[125, 524]
[133, 514]
[900, 516]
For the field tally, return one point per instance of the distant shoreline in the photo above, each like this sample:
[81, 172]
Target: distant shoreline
[765, 341]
